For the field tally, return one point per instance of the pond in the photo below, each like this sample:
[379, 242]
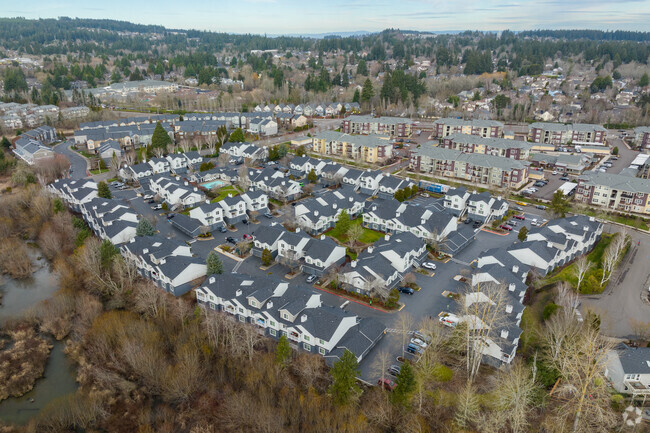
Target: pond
[59, 376]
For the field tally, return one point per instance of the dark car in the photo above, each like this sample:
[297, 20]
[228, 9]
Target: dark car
[477, 224]
[151, 201]
[170, 215]
[541, 206]
[468, 221]
[412, 348]
[406, 290]
[564, 178]
[245, 222]
[222, 229]
[231, 240]
[268, 215]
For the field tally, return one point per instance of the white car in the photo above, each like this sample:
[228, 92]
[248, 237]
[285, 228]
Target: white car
[419, 342]
[429, 265]
[157, 207]
[554, 172]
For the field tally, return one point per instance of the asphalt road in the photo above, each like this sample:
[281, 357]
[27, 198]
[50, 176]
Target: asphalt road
[78, 164]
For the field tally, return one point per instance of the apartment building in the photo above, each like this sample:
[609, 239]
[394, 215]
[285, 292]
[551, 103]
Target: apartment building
[482, 128]
[393, 126]
[466, 143]
[558, 133]
[614, 191]
[371, 148]
[478, 169]
[642, 138]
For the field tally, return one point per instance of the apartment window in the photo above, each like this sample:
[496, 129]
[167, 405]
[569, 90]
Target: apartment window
[321, 351]
[285, 316]
[321, 342]
[306, 337]
[273, 332]
[242, 319]
[240, 309]
[306, 346]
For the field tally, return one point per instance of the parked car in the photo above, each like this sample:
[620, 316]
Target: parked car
[477, 224]
[519, 208]
[554, 172]
[429, 265]
[152, 201]
[222, 229]
[512, 223]
[418, 342]
[565, 178]
[157, 207]
[412, 348]
[245, 221]
[406, 290]
[387, 384]
[541, 206]
[450, 320]
[394, 370]
[519, 217]
[247, 236]
[522, 203]
[533, 222]
[148, 197]
[468, 221]
[269, 215]
[311, 278]
[506, 227]
[231, 240]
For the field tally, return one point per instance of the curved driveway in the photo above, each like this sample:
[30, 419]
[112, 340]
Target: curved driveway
[77, 162]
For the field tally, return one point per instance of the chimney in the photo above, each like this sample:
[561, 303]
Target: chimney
[269, 305]
[297, 229]
[229, 195]
[207, 202]
[374, 208]
[504, 333]
[515, 269]
[498, 197]
[508, 309]
[303, 318]
[353, 263]
[212, 280]
[511, 287]
[334, 206]
[370, 250]
[195, 189]
[387, 237]
[238, 292]
[315, 213]
[322, 237]
[549, 244]
[186, 183]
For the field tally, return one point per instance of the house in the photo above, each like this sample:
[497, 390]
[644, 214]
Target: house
[369, 181]
[263, 127]
[175, 194]
[245, 150]
[628, 370]
[318, 214]
[136, 172]
[483, 128]
[389, 185]
[208, 214]
[176, 274]
[108, 149]
[301, 166]
[267, 238]
[193, 159]
[484, 207]
[456, 201]
[177, 162]
[393, 126]
[642, 138]
[294, 312]
[74, 192]
[159, 165]
[31, 151]
[146, 252]
[321, 255]
[256, 201]
[234, 209]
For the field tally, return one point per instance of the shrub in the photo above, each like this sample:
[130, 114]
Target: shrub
[442, 373]
[549, 310]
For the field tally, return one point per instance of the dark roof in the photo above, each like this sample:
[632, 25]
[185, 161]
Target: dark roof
[635, 360]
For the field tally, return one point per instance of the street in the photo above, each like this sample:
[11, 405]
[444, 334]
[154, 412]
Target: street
[78, 166]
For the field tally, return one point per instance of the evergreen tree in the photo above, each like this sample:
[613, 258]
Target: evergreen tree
[160, 138]
[267, 257]
[144, 228]
[399, 195]
[357, 97]
[362, 68]
[344, 378]
[559, 205]
[283, 351]
[405, 385]
[343, 222]
[523, 233]
[214, 264]
[312, 177]
[237, 136]
[103, 191]
[367, 92]
[107, 252]
[644, 80]
[5, 142]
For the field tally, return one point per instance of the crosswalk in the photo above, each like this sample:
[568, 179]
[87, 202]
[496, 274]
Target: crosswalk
[460, 262]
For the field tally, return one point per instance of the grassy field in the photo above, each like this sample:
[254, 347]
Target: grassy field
[99, 171]
[223, 193]
[367, 237]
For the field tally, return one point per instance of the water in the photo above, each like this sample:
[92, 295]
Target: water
[59, 380]
[59, 376]
[213, 184]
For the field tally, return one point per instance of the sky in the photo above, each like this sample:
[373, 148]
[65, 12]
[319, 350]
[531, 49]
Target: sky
[316, 16]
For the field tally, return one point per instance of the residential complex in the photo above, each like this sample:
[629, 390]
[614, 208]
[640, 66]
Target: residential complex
[614, 191]
[558, 133]
[371, 148]
[478, 169]
[482, 128]
[642, 138]
[393, 126]
[467, 143]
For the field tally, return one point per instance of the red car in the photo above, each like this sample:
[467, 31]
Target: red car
[519, 217]
[247, 236]
[506, 227]
[387, 384]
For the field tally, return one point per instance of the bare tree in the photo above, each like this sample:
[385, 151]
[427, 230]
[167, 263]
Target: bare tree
[566, 298]
[251, 338]
[613, 254]
[515, 395]
[288, 217]
[405, 325]
[581, 363]
[158, 151]
[129, 157]
[354, 233]
[243, 181]
[222, 159]
[467, 406]
[582, 266]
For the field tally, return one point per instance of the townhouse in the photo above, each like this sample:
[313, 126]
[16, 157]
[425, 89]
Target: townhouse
[198, 129]
[628, 370]
[302, 165]
[177, 195]
[642, 138]
[371, 148]
[180, 162]
[614, 191]
[93, 134]
[383, 266]
[245, 150]
[389, 185]
[369, 180]
[455, 201]
[393, 126]
[168, 263]
[426, 223]
[483, 128]
[109, 149]
[275, 184]
[262, 126]
[332, 174]
[318, 214]
[502, 147]
[109, 219]
[31, 150]
[297, 313]
[475, 168]
[74, 192]
[267, 238]
[559, 134]
[208, 214]
[484, 207]
[234, 209]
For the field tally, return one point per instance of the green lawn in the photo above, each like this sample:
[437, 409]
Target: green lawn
[367, 237]
[223, 193]
[99, 171]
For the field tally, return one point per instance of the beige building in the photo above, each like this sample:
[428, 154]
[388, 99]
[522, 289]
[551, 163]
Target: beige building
[372, 148]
